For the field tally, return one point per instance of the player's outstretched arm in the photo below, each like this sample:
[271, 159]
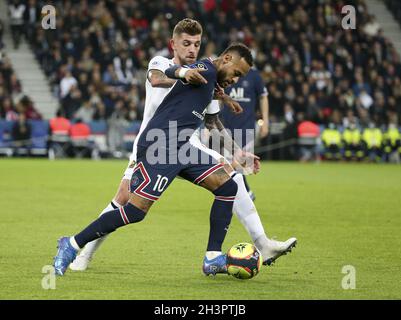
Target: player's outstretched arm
[159, 80]
[191, 76]
[220, 95]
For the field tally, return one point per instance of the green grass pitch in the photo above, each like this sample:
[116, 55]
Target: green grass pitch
[342, 214]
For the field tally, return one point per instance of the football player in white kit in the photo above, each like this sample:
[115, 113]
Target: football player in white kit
[186, 43]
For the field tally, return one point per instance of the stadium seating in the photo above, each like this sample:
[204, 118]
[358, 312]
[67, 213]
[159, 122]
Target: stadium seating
[39, 136]
[5, 137]
[305, 57]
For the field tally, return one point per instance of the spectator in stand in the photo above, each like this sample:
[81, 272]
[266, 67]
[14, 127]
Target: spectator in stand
[31, 17]
[86, 112]
[72, 102]
[21, 135]
[16, 10]
[117, 125]
[67, 83]
[28, 109]
[8, 111]
[306, 60]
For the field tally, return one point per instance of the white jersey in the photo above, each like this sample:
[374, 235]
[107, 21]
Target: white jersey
[154, 97]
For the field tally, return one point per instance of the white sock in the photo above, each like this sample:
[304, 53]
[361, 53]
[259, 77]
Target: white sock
[212, 254]
[245, 210]
[91, 247]
[74, 243]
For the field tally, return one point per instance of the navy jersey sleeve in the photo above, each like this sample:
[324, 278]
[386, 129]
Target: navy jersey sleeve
[260, 87]
[210, 71]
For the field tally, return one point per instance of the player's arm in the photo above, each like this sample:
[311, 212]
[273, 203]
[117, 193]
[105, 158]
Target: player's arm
[214, 124]
[191, 76]
[264, 109]
[158, 79]
[225, 99]
[261, 92]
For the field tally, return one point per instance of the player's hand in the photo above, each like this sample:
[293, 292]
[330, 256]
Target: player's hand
[230, 103]
[248, 161]
[234, 106]
[193, 76]
[218, 91]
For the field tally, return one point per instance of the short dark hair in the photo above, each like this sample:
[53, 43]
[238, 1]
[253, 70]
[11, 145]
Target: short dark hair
[242, 50]
[190, 26]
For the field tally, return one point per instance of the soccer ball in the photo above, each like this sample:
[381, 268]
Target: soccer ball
[243, 261]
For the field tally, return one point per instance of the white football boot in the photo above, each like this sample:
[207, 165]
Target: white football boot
[276, 249]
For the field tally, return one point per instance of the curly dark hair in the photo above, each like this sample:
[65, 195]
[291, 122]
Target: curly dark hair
[242, 50]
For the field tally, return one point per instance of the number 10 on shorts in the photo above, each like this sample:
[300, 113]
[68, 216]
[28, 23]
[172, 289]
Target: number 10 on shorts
[160, 183]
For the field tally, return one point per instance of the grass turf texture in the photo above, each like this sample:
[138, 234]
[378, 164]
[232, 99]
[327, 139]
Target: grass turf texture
[342, 214]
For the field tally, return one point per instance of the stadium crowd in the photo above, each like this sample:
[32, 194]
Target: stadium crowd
[314, 69]
[395, 8]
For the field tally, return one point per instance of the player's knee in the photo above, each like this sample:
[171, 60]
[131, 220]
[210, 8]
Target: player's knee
[227, 189]
[122, 195]
[132, 213]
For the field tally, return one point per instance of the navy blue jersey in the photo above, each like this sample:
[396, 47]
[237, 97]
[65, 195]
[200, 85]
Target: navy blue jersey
[185, 105]
[246, 92]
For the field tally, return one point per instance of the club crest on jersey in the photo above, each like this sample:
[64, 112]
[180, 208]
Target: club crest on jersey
[134, 181]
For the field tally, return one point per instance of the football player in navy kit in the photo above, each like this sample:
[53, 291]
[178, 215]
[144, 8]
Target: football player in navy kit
[182, 107]
[186, 44]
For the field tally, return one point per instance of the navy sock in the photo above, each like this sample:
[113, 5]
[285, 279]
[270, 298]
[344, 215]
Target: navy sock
[109, 222]
[221, 214]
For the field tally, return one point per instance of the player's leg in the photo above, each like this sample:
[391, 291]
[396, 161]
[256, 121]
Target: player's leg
[85, 256]
[224, 189]
[121, 198]
[145, 188]
[246, 211]
[134, 211]
[244, 208]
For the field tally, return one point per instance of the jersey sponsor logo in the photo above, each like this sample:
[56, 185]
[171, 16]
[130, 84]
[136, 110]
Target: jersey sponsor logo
[198, 115]
[237, 94]
[199, 65]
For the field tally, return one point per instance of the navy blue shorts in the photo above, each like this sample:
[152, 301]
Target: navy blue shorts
[150, 180]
